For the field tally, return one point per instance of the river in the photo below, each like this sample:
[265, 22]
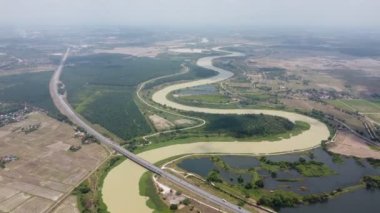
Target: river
[120, 189]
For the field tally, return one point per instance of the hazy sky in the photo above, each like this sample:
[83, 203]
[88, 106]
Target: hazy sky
[183, 12]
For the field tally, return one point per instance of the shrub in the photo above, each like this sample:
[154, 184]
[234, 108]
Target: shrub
[186, 201]
[259, 184]
[248, 186]
[173, 206]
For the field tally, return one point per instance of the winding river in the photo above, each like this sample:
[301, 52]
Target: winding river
[121, 186]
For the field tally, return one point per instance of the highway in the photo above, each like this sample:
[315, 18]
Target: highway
[62, 105]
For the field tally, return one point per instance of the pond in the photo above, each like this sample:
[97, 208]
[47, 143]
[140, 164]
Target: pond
[348, 171]
[358, 201]
[198, 90]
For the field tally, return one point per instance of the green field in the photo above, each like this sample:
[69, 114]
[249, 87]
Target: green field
[102, 89]
[314, 170]
[30, 88]
[194, 73]
[375, 117]
[359, 105]
[148, 189]
[241, 126]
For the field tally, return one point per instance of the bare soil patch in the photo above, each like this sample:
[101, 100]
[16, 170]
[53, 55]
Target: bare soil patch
[161, 123]
[183, 122]
[349, 144]
[69, 205]
[368, 65]
[46, 170]
[135, 51]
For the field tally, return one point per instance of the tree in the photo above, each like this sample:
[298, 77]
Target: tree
[248, 186]
[213, 176]
[302, 160]
[173, 206]
[83, 188]
[259, 183]
[273, 175]
[186, 201]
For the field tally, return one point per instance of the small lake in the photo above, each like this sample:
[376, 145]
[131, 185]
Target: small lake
[198, 90]
[348, 173]
[358, 201]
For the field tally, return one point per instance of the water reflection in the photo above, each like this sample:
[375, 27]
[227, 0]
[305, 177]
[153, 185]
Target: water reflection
[348, 172]
[198, 90]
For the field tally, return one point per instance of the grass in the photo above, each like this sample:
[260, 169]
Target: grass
[341, 105]
[303, 167]
[148, 189]
[257, 96]
[81, 107]
[375, 117]
[314, 170]
[336, 158]
[270, 167]
[373, 147]
[360, 105]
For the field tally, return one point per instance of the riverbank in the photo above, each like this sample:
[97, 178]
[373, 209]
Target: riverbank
[121, 186]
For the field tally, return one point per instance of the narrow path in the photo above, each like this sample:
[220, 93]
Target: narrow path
[139, 96]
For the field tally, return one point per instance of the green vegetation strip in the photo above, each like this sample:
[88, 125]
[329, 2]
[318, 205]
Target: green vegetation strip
[230, 128]
[101, 89]
[89, 193]
[148, 189]
[277, 199]
[30, 88]
[360, 105]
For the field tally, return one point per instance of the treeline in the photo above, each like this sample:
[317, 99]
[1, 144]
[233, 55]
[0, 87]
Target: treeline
[103, 85]
[116, 111]
[88, 194]
[115, 70]
[248, 125]
[282, 199]
[372, 182]
[306, 168]
[195, 72]
[29, 88]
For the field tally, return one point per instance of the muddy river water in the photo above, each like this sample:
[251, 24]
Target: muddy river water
[121, 186]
